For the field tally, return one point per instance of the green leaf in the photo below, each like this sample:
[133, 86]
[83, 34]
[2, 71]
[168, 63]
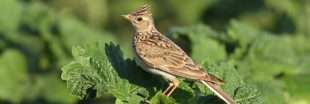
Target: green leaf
[74, 32]
[271, 90]
[292, 9]
[159, 98]
[127, 68]
[59, 52]
[242, 35]
[54, 90]
[233, 86]
[39, 19]
[298, 88]
[224, 71]
[304, 64]
[13, 76]
[262, 56]
[299, 44]
[227, 72]
[248, 95]
[260, 45]
[188, 16]
[204, 43]
[91, 70]
[259, 50]
[103, 69]
[184, 94]
[10, 14]
[266, 53]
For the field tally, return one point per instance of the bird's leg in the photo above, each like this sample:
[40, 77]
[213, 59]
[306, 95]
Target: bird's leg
[171, 78]
[167, 89]
[175, 83]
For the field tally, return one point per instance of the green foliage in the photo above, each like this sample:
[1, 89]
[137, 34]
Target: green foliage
[10, 10]
[159, 98]
[248, 94]
[297, 86]
[103, 69]
[34, 43]
[71, 37]
[91, 70]
[12, 69]
[265, 57]
[52, 84]
[260, 48]
[199, 36]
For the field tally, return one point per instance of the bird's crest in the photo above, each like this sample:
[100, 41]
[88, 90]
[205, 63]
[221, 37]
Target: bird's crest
[144, 9]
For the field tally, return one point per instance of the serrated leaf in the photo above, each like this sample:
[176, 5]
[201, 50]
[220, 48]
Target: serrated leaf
[91, 70]
[184, 94]
[127, 68]
[248, 95]
[159, 98]
[227, 72]
[262, 56]
[233, 86]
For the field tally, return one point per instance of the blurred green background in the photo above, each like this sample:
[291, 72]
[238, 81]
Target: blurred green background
[268, 39]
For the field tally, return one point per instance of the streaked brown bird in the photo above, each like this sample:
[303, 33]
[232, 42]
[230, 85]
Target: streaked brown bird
[157, 54]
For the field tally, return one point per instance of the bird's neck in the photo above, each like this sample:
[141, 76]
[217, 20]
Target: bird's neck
[150, 30]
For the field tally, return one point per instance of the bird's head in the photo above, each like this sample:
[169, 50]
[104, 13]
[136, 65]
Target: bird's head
[141, 18]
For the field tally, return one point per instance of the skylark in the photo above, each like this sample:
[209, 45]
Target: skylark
[157, 54]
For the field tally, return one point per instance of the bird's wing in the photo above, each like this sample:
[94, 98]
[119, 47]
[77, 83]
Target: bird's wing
[160, 52]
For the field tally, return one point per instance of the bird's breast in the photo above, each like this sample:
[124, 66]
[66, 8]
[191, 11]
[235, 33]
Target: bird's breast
[138, 59]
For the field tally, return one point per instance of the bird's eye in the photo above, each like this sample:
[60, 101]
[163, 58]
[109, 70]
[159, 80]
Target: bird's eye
[139, 18]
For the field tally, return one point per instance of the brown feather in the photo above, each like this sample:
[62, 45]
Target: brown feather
[159, 55]
[145, 9]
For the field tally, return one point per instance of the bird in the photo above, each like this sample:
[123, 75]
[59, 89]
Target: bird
[157, 54]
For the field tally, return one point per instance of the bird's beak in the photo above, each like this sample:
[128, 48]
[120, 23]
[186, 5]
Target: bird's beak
[127, 16]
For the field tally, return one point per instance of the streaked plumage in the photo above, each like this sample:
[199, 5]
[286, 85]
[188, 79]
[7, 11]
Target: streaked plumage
[157, 54]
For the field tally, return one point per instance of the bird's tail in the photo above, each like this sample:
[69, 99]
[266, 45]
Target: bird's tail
[219, 92]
